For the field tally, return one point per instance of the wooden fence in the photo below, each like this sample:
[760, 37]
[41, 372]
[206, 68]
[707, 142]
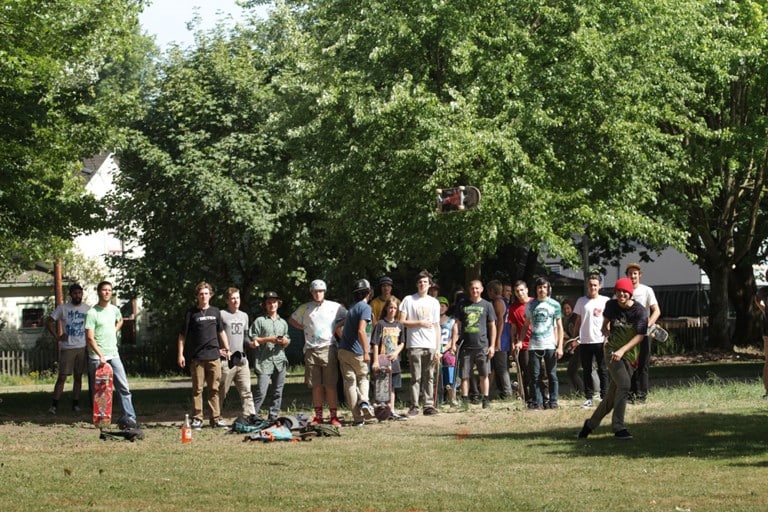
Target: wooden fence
[146, 360]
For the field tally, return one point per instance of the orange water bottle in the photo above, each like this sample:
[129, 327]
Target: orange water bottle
[186, 430]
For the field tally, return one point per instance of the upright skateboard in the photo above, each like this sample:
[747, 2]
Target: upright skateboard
[520, 384]
[382, 387]
[456, 199]
[102, 396]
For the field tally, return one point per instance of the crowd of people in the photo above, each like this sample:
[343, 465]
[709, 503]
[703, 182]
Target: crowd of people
[456, 350]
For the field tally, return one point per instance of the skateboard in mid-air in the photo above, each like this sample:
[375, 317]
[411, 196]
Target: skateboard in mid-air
[102, 396]
[456, 199]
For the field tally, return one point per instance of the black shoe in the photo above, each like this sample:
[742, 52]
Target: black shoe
[486, 403]
[585, 430]
[623, 434]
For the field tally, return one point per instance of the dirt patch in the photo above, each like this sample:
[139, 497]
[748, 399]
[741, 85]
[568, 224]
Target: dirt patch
[710, 356]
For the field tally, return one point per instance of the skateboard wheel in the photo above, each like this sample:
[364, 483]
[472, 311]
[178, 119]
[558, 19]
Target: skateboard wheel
[462, 187]
[462, 207]
[439, 191]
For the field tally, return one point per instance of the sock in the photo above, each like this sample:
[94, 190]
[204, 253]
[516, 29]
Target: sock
[319, 412]
[333, 413]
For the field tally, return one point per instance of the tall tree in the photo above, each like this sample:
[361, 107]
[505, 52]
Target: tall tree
[54, 57]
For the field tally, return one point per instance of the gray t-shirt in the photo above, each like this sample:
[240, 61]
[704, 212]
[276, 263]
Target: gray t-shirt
[236, 329]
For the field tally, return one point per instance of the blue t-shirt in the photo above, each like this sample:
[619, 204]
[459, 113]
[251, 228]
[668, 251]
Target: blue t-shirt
[359, 311]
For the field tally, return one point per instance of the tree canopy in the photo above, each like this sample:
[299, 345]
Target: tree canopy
[310, 144]
[54, 67]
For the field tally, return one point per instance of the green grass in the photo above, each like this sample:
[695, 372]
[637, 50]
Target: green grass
[699, 445]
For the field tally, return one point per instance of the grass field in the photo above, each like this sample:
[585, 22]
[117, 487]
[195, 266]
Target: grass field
[700, 444]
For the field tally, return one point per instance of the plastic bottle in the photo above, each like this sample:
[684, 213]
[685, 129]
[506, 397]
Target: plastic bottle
[186, 430]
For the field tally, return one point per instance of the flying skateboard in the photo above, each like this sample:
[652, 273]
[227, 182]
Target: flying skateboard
[456, 199]
[102, 396]
[382, 387]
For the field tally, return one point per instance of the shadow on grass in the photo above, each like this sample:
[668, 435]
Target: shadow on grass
[696, 434]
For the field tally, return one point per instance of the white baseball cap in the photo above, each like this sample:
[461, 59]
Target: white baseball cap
[317, 284]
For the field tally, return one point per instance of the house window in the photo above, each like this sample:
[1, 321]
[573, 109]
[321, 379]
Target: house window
[32, 316]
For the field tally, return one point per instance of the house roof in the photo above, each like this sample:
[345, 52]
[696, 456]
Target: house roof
[93, 164]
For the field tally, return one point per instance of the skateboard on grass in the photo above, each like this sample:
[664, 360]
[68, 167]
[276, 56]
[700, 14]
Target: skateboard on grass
[102, 396]
[456, 199]
[382, 387]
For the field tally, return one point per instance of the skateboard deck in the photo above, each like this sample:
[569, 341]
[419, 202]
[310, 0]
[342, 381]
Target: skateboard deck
[383, 381]
[658, 334]
[520, 384]
[456, 199]
[102, 396]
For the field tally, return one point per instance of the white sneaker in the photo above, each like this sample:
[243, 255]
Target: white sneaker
[368, 412]
[52, 409]
[587, 404]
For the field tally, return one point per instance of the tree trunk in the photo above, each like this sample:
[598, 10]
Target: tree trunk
[719, 331]
[741, 292]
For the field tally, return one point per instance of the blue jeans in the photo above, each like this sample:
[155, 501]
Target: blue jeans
[121, 385]
[549, 358]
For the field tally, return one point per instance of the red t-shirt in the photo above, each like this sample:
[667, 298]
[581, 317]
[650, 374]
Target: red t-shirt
[516, 317]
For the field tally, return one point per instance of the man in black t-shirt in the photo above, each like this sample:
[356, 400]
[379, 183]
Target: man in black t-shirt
[203, 332]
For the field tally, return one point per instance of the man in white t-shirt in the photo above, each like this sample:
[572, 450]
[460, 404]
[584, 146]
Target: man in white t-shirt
[320, 319]
[67, 325]
[420, 315]
[589, 324]
[645, 297]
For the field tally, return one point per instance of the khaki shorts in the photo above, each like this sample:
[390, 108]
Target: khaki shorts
[72, 361]
[321, 367]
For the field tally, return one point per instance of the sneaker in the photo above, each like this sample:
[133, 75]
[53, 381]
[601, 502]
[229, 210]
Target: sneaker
[360, 423]
[413, 411]
[367, 410]
[553, 405]
[334, 421]
[398, 417]
[197, 424]
[255, 419]
[585, 430]
[430, 411]
[587, 404]
[219, 423]
[76, 408]
[623, 434]
[486, 403]
[318, 420]
[52, 409]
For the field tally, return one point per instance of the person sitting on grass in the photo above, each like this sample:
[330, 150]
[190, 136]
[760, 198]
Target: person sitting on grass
[624, 326]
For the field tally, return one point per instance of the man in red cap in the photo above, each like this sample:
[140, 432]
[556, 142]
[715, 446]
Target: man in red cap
[624, 326]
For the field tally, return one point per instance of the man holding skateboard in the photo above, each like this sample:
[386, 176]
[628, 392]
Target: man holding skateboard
[102, 323]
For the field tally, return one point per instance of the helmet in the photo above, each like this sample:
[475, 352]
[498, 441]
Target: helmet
[317, 284]
[361, 285]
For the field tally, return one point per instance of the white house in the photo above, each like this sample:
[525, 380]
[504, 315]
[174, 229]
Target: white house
[26, 300]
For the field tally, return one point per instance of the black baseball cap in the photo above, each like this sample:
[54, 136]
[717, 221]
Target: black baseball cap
[75, 287]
